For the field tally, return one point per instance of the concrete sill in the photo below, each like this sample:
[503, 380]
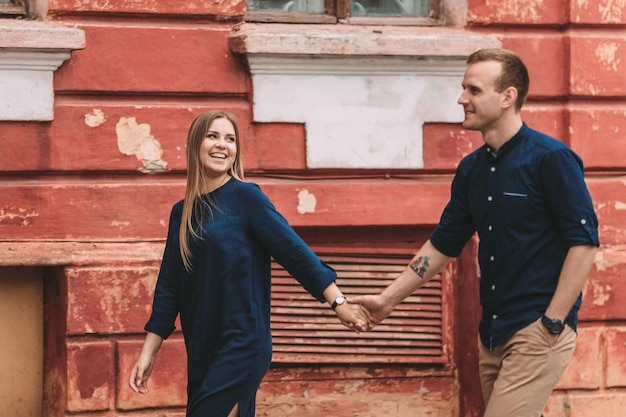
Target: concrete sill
[30, 52]
[357, 40]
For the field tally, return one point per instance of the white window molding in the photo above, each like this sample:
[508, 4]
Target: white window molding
[363, 93]
[30, 52]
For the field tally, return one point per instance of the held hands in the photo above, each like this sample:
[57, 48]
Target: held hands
[354, 316]
[377, 308]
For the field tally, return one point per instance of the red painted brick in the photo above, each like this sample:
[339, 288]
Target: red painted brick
[18, 138]
[546, 75]
[147, 58]
[598, 65]
[598, 12]
[222, 8]
[533, 12]
[84, 211]
[279, 146]
[104, 147]
[551, 120]
[602, 403]
[168, 382]
[609, 199]
[446, 144]
[109, 300]
[604, 292]
[393, 397]
[129, 211]
[557, 406]
[585, 370]
[616, 357]
[596, 136]
[90, 376]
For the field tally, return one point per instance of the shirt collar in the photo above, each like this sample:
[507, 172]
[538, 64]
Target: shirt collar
[511, 143]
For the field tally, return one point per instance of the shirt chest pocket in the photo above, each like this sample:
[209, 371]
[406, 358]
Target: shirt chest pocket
[515, 205]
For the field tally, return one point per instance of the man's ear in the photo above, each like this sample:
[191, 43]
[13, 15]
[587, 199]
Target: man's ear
[509, 96]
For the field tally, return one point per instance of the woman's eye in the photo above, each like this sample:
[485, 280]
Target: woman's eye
[231, 139]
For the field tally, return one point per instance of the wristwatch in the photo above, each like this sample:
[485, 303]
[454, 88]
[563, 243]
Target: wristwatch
[554, 326]
[338, 301]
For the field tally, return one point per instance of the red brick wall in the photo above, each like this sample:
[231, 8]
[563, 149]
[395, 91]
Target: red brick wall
[158, 64]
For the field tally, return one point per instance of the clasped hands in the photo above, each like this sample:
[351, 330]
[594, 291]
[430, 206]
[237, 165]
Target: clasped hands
[362, 313]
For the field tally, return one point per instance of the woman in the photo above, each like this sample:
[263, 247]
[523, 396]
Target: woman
[215, 273]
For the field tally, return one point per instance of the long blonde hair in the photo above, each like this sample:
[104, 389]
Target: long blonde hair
[195, 205]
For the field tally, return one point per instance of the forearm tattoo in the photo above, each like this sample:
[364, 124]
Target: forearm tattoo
[420, 265]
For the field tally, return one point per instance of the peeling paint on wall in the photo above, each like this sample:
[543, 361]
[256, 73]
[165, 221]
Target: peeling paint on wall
[523, 10]
[612, 11]
[17, 216]
[95, 118]
[605, 52]
[306, 202]
[136, 139]
[601, 294]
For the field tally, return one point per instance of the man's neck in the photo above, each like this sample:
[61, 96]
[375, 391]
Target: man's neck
[502, 133]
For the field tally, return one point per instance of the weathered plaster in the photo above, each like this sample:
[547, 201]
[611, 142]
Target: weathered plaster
[363, 93]
[136, 139]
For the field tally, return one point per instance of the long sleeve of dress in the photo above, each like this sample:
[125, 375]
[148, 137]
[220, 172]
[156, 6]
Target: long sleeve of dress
[165, 306]
[285, 246]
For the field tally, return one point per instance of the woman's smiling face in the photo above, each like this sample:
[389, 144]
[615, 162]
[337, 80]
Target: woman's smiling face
[219, 148]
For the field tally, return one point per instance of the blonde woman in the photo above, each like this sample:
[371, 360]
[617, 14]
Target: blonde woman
[215, 273]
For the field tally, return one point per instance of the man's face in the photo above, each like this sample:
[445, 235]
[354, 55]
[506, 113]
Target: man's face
[480, 100]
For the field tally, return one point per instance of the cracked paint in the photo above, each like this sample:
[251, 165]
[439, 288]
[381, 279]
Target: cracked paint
[95, 118]
[601, 294]
[306, 202]
[612, 11]
[136, 139]
[17, 216]
[523, 10]
[605, 52]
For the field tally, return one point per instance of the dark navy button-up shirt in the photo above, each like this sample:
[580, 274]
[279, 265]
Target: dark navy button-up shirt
[529, 205]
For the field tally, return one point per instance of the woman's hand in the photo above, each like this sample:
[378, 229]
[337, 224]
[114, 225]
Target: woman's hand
[354, 316]
[377, 308]
[141, 373]
[143, 368]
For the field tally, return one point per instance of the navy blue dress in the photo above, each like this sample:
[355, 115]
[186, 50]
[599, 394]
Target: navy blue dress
[224, 303]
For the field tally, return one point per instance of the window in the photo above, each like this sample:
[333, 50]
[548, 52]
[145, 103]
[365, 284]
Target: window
[345, 11]
[305, 331]
[12, 8]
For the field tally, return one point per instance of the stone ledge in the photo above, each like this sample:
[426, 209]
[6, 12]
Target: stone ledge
[30, 52]
[288, 39]
[40, 36]
[58, 253]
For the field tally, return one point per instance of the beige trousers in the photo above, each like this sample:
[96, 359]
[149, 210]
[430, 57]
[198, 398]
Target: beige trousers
[518, 377]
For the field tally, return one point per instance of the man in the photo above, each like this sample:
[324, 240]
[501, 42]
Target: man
[524, 194]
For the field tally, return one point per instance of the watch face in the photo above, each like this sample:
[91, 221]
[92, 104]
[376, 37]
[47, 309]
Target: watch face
[340, 300]
[554, 326]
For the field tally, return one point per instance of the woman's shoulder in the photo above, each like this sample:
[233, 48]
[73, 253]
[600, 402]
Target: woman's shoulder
[177, 209]
[246, 188]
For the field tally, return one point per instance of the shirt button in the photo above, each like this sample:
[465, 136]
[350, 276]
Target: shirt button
[493, 288]
[495, 316]
[493, 169]
[491, 258]
[490, 228]
[583, 221]
[489, 198]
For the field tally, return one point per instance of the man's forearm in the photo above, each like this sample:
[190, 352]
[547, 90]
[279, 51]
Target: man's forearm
[426, 263]
[574, 273]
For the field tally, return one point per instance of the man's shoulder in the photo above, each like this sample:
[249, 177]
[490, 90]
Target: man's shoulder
[543, 140]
